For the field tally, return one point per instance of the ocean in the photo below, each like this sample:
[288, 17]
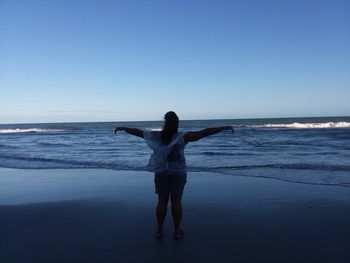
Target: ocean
[300, 150]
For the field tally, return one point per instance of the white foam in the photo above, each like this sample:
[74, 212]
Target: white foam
[297, 125]
[27, 130]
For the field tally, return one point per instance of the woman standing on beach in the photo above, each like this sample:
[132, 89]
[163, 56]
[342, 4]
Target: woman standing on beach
[169, 165]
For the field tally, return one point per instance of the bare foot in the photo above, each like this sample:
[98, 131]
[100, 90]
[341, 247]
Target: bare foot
[178, 234]
[159, 234]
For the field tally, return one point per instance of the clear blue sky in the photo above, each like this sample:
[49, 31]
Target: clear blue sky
[136, 59]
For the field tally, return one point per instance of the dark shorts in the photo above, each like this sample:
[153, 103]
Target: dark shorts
[170, 183]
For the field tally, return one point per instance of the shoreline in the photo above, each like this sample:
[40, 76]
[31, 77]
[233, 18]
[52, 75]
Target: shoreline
[25, 186]
[108, 216]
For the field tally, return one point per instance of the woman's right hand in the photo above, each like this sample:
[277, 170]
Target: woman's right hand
[118, 129]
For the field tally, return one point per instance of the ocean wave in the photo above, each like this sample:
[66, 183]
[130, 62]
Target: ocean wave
[51, 144]
[40, 162]
[51, 163]
[297, 125]
[30, 130]
[306, 173]
[5, 146]
[292, 166]
[226, 154]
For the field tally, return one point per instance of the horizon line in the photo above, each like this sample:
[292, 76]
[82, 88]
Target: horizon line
[200, 119]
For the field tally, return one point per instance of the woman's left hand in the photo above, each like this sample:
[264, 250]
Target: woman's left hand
[226, 128]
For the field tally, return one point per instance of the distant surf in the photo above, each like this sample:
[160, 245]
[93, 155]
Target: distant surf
[32, 130]
[297, 125]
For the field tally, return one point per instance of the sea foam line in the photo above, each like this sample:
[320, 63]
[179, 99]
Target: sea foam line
[28, 130]
[310, 125]
[5, 160]
[297, 125]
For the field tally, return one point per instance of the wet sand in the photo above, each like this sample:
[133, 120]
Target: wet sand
[108, 216]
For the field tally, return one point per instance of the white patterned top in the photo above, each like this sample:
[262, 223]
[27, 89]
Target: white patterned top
[169, 157]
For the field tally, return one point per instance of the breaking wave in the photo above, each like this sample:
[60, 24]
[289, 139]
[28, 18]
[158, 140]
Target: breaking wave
[297, 125]
[30, 130]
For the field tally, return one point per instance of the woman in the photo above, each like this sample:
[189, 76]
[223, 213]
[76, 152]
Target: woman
[168, 163]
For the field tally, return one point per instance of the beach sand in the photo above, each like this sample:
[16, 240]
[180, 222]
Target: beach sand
[89, 215]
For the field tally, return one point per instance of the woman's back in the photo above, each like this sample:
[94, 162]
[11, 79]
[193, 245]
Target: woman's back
[170, 156]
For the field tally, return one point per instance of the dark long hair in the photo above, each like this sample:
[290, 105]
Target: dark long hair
[171, 126]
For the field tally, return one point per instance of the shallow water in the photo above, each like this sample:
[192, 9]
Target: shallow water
[305, 150]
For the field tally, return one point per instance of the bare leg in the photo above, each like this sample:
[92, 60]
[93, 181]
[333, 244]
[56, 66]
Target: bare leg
[176, 209]
[161, 213]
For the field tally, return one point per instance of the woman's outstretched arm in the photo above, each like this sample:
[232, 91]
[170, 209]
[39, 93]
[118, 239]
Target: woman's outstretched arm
[132, 131]
[197, 135]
